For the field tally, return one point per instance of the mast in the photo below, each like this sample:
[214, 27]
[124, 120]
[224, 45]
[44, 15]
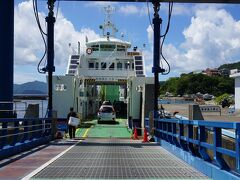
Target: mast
[108, 28]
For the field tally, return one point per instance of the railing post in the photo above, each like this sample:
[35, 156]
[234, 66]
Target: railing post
[217, 142]
[164, 124]
[33, 134]
[175, 141]
[237, 144]
[181, 134]
[3, 140]
[25, 131]
[169, 130]
[16, 131]
[161, 128]
[190, 136]
[202, 138]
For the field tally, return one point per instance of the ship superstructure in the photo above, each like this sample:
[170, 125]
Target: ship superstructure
[107, 60]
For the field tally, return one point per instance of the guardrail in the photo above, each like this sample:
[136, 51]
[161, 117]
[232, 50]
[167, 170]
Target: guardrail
[17, 135]
[193, 137]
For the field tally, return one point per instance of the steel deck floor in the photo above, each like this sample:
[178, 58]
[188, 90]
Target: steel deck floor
[118, 159]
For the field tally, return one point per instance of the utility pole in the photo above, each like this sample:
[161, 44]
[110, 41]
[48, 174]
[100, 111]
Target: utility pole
[50, 19]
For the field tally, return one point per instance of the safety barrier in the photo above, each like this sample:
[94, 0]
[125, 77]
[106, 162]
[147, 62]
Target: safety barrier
[193, 137]
[17, 135]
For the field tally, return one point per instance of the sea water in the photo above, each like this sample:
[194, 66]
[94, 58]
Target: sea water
[174, 101]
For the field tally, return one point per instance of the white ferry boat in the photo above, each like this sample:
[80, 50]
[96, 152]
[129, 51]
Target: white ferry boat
[101, 73]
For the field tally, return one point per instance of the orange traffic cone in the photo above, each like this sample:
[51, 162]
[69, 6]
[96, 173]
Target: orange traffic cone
[135, 135]
[145, 136]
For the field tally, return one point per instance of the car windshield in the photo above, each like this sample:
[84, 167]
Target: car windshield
[106, 109]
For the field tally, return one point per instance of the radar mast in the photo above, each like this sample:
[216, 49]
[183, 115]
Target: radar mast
[108, 28]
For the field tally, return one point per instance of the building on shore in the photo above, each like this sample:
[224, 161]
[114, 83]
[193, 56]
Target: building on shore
[235, 73]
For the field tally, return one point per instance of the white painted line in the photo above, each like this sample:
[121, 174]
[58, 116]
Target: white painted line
[47, 163]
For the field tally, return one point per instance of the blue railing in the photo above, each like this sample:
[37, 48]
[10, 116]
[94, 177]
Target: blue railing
[17, 135]
[203, 139]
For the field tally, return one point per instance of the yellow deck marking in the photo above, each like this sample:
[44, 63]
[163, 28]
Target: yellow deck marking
[85, 134]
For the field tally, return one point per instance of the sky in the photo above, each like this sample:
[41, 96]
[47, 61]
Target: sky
[200, 36]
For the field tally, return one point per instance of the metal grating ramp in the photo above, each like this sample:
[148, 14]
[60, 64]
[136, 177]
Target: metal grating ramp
[118, 159]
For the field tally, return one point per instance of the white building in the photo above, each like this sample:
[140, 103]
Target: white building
[234, 73]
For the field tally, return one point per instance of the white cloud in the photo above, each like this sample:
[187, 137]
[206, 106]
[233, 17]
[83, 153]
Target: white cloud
[211, 39]
[178, 9]
[133, 10]
[128, 9]
[28, 43]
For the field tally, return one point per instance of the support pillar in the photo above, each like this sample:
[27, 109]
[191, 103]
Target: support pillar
[156, 54]
[6, 56]
[50, 52]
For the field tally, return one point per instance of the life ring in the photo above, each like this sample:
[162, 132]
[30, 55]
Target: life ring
[89, 51]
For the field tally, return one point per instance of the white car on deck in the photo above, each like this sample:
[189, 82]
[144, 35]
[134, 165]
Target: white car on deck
[106, 113]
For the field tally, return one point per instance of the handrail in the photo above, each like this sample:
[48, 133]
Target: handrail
[191, 137]
[29, 132]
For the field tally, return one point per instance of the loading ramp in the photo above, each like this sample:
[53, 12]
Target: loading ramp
[117, 158]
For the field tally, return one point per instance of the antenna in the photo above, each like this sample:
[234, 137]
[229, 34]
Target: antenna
[108, 26]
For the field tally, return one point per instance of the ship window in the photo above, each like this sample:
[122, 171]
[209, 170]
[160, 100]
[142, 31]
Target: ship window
[96, 65]
[138, 62]
[73, 61]
[121, 48]
[138, 57]
[73, 66]
[119, 66]
[127, 65]
[132, 65]
[107, 47]
[112, 66]
[91, 65]
[139, 68]
[139, 72]
[71, 72]
[103, 65]
[75, 57]
[95, 47]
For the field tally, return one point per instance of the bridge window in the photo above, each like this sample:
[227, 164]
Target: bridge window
[74, 61]
[71, 71]
[119, 66]
[96, 65]
[139, 72]
[103, 65]
[75, 57]
[112, 66]
[127, 65]
[73, 66]
[138, 62]
[121, 48]
[138, 57]
[95, 47]
[139, 68]
[91, 65]
[107, 47]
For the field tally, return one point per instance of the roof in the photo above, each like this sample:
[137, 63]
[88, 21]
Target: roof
[104, 40]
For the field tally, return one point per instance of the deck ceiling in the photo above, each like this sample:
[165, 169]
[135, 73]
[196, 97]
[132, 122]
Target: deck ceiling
[175, 1]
